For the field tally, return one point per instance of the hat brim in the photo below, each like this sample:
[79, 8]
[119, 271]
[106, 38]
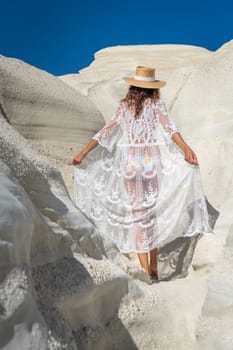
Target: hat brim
[145, 84]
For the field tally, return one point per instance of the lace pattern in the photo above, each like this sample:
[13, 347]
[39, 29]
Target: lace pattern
[136, 186]
[140, 130]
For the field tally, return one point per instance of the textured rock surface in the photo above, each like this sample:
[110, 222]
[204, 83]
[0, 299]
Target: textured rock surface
[21, 325]
[216, 323]
[45, 186]
[61, 286]
[42, 107]
[43, 240]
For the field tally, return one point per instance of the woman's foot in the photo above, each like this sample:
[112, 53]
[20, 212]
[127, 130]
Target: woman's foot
[153, 263]
[154, 278]
[154, 275]
[143, 258]
[153, 270]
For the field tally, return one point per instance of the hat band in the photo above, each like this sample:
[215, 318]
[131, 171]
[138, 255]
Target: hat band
[137, 77]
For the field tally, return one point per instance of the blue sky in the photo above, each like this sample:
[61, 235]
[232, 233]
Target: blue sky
[62, 36]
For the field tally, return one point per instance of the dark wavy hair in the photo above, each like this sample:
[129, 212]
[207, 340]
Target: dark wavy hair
[136, 96]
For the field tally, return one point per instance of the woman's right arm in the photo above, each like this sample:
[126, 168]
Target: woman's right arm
[79, 157]
[106, 137]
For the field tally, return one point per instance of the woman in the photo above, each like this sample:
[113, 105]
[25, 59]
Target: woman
[138, 187]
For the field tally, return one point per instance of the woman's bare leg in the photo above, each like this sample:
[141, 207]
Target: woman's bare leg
[143, 258]
[153, 261]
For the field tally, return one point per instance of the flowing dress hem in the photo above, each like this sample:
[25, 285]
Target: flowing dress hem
[194, 233]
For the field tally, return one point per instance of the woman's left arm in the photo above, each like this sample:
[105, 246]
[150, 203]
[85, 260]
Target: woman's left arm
[170, 129]
[189, 155]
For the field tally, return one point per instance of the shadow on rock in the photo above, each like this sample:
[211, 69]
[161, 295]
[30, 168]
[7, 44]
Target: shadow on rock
[76, 308]
[175, 257]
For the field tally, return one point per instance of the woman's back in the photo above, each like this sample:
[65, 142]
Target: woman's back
[145, 127]
[151, 126]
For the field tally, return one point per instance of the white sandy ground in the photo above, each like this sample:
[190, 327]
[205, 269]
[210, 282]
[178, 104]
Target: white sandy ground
[57, 291]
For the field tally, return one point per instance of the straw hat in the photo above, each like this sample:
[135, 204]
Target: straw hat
[145, 78]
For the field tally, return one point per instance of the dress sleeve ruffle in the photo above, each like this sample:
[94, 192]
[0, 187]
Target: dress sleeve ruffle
[168, 126]
[109, 135]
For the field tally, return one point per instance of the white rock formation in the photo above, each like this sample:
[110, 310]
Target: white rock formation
[61, 286]
[102, 80]
[42, 107]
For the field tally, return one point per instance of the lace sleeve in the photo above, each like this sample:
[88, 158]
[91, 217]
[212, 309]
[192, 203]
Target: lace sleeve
[109, 135]
[165, 120]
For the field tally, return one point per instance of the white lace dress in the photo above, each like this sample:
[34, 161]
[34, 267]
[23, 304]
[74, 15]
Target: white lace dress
[136, 186]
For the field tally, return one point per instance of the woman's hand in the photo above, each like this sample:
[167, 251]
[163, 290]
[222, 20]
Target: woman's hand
[90, 146]
[78, 158]
[190, 156]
